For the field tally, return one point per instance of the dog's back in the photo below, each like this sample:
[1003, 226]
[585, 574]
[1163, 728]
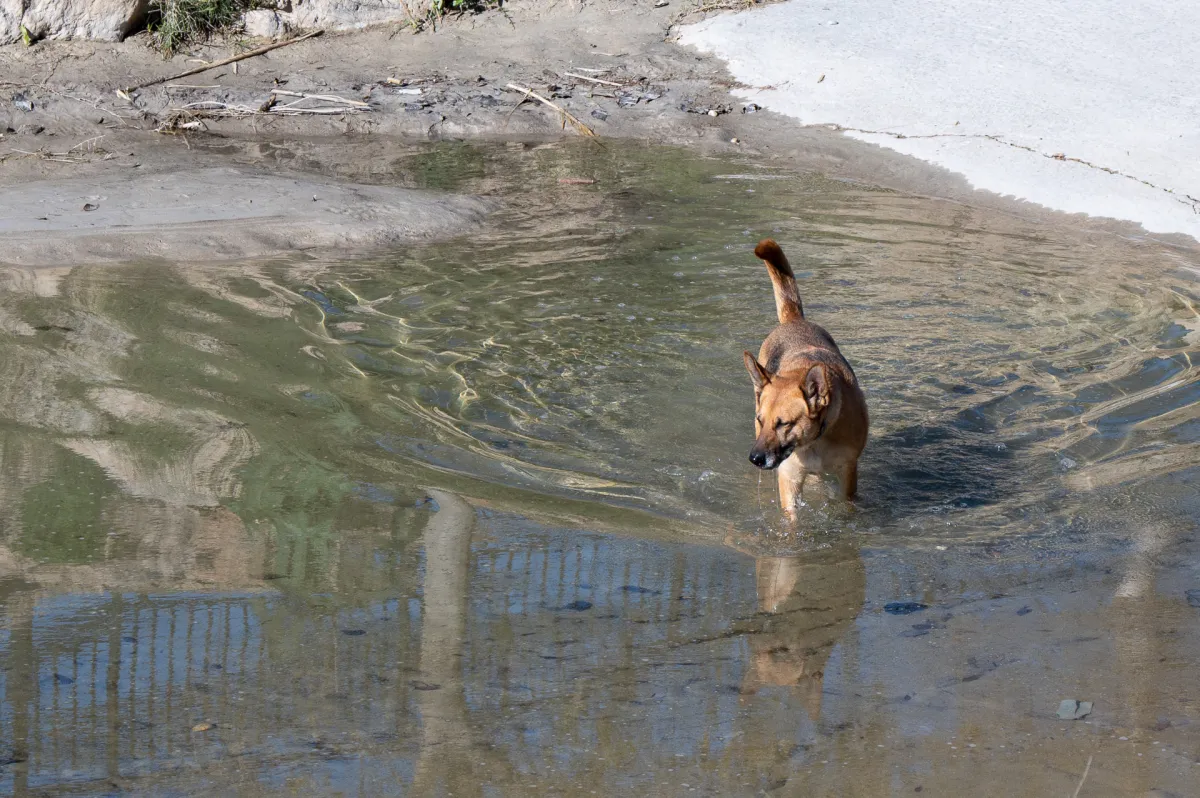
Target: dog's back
[795, 334]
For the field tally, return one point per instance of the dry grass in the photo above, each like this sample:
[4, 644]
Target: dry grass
[174, 24]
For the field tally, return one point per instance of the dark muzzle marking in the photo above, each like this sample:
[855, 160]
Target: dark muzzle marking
[770, 460]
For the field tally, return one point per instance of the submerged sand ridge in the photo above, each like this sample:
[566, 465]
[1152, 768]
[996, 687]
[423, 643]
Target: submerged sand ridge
[214, 214]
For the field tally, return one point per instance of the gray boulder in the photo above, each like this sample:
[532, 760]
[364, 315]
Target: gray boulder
[104, 20]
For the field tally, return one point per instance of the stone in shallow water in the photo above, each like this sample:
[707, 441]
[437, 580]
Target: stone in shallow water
[1070, 709]
[903, 607]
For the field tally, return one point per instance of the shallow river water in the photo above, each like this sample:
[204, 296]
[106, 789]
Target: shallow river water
[475, 518]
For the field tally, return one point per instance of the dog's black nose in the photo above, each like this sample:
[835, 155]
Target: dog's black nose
[758, 458]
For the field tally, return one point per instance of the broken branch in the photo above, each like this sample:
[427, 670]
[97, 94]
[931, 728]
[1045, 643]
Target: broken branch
[591, 80]
[567, 115]
[324, 97]
[249, 54]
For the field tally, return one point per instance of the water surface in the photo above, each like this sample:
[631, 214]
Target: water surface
[475, 517]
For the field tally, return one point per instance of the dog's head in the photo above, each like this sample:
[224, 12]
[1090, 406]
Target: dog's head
[789, 411]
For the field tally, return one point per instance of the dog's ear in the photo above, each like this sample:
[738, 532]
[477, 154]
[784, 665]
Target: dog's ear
[816, 388]
[758, 374]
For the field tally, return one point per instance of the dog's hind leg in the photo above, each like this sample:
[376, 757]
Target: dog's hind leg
[791, 485]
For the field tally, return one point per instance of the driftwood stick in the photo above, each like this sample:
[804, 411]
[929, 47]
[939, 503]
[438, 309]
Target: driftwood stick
[324, 97]
[240, 57]
[1081, 781]
[592, 80]
[567, 115]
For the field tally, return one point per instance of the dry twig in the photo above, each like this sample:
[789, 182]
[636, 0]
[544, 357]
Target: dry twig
[1086, 768]
[191, 116]
[329, 98]
[77, 154]
[591, 80]
[240, 57]
[566, 115]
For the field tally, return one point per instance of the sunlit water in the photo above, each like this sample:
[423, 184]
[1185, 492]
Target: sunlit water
[476, 517]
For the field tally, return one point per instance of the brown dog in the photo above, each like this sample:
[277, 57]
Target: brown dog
[810, 414]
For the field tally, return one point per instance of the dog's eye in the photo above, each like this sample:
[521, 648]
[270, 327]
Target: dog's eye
[758, 419]
[781, 424]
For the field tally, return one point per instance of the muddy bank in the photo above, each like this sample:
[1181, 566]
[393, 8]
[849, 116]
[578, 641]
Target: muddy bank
[206, 214]
[612, 65]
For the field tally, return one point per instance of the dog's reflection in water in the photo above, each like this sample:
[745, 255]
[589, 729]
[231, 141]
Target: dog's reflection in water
[807, 603]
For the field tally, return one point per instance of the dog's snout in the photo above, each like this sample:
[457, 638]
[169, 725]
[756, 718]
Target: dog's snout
[762, 459]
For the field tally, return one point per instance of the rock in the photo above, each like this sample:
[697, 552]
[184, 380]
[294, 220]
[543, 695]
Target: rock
[265, 23]
[417, 684]
[1070, 709]
[353, 14]
[10, 20]
[113, 20]
[903, 607]
[105, 20]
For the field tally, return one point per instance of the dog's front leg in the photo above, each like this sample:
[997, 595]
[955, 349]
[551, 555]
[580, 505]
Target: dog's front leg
[848, 477]
[791, 485]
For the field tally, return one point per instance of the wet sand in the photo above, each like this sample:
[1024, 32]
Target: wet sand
[215, 214]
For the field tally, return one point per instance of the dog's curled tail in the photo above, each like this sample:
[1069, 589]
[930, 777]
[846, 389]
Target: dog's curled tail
[787, 295]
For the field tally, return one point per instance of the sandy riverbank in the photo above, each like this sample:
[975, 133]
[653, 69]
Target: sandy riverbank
[443, 84]
[1080, 106]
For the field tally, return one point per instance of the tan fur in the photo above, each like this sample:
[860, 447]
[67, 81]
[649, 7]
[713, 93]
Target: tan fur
[810, 413]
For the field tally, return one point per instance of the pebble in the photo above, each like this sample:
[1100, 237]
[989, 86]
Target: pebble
[903, 607]
[712, 111]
